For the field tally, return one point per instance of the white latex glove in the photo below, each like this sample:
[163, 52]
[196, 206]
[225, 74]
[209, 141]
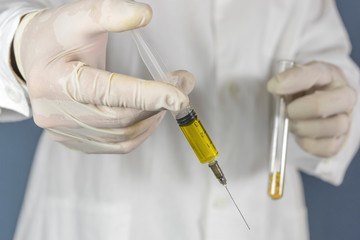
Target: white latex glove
[320, 110]
[61, 54]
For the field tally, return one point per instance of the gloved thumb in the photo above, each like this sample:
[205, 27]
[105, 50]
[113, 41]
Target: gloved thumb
[123, 15]
[75, 24]
[84, 19]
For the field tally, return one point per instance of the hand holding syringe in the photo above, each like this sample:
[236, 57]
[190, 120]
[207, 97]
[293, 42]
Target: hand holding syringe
[187, 119]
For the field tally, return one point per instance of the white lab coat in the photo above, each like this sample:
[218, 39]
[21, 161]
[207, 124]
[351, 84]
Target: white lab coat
[160, 190]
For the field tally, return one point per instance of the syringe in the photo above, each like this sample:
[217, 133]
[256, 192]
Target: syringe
[279, 140]
[187, 118]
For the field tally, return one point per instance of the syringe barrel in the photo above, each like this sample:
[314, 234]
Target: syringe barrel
[196, 135]
[279, 140]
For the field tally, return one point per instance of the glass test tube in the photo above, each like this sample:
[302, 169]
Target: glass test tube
[279, 140]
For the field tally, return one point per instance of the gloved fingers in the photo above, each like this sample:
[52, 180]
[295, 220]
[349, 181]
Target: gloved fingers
[322, 103]
[304, 77]
[71, 113]
[121, 147]
[66, 113]
[95, 86]
[93, 147]
[106, 143]
[113, 117]
[322, 147]
[333, 126]
[83, 132]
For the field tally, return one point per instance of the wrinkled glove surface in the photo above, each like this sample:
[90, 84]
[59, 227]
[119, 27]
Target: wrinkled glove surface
[61, 54]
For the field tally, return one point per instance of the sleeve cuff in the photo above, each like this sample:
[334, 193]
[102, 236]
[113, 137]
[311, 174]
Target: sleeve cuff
[13, 95]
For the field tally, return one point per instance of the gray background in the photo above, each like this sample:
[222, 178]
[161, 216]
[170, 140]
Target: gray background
[334, 212]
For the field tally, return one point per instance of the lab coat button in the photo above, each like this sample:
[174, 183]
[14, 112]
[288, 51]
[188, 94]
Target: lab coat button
[14, 96]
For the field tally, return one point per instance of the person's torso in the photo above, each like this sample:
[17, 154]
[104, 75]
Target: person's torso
[160, 191]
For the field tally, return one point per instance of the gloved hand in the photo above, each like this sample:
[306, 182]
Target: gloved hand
[61, 54]
[320, 109]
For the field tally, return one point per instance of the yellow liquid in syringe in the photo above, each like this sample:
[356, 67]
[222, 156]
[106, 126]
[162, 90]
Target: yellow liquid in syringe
[200, 141]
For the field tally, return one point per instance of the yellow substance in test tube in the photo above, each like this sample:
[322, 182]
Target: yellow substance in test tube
[276, 194]
[200, 141]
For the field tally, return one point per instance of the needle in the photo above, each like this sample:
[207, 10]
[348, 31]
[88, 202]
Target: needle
[237, 207]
